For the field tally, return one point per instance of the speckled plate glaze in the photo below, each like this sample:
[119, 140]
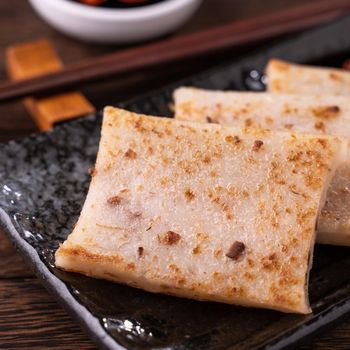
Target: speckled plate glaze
[43, 183]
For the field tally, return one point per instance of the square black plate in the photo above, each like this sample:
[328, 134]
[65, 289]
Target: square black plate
[43, 183]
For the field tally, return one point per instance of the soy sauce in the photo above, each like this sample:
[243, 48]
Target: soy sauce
[120, 4]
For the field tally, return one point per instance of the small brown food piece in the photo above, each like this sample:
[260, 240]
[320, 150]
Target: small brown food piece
[257, 145]
[189, 194]
[140, 251]
[320, 126]
[209, 119]
[130, 154]
[233, 139]
[114, 200]
[135, 215]
[171, 238]
[237, 140]
[236, 250]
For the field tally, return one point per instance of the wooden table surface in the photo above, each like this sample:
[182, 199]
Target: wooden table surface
[29, 317]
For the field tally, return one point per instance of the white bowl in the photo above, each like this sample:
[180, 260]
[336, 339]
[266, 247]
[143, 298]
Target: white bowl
[111, 25]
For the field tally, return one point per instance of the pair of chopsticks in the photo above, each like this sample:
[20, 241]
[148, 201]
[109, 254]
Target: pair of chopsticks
[179, 48]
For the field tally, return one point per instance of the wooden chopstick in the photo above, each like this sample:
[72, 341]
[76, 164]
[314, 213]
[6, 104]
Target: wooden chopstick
[168, 51]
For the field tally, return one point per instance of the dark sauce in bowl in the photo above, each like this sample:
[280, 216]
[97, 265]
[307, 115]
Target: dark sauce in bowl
[118, 4]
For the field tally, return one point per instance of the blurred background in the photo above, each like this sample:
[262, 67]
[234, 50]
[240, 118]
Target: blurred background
[20, 23]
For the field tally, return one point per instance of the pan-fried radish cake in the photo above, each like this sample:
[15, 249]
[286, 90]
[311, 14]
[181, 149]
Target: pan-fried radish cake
[203, 211]
[311, 114]
[291, 78]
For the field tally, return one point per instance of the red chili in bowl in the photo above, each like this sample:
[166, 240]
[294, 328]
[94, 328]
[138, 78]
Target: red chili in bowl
[118, 3]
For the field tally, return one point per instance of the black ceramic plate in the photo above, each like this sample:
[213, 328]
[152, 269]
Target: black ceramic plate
[43, 182]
